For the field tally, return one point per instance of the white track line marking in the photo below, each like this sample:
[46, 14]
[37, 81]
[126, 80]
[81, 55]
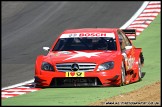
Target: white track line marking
[21, 90]
[153, 6]
[149, 14]
[144, 18]
[17, 85]
[144, 26]
[152, 10]
[141, 22]
[7, 96]
[155, 2]
[13, 93]
[135, 15]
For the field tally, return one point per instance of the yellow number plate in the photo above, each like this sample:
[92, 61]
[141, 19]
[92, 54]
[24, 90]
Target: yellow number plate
[74, 74]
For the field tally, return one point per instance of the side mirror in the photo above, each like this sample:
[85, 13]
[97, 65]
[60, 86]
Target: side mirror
[46, 48]
[128, 47]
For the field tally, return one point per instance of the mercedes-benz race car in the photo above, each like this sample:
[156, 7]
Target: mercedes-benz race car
[90, 57]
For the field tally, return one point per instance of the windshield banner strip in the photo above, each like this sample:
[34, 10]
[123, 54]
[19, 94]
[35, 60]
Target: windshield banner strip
[76, 35]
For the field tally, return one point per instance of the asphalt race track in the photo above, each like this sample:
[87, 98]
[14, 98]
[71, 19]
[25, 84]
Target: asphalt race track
[28, 26]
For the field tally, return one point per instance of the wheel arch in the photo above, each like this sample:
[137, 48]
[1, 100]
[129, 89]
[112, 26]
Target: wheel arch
[139, 53]
[38, 63]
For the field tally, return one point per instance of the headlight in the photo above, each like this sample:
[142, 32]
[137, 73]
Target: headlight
[106, 66]
[47, 67]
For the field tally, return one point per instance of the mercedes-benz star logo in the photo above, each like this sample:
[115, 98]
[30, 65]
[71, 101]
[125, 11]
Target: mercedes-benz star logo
[74, 67]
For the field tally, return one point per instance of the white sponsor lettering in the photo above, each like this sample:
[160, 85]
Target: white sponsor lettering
[129, 61]
[75, 35]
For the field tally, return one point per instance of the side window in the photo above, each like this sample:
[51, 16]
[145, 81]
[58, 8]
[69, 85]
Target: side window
[127, 41]
[122, 41]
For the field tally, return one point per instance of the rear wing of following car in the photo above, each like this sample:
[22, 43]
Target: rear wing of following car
[130, 33]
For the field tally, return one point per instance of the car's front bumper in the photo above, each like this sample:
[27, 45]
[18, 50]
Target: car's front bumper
[77, 79]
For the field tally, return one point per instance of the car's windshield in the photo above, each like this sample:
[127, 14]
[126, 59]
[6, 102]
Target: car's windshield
[85, 43]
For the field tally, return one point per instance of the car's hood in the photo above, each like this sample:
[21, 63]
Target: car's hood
[82, 56]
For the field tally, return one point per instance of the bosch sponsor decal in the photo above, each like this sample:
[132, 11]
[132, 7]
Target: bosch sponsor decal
[76, 35]
[94, 34]
[140, 23]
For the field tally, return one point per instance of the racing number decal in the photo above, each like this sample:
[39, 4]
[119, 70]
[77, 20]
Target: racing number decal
[74, 74]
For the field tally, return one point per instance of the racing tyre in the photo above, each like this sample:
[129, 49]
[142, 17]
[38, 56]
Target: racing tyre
[123, 77]
[139, 70]
[141, 58]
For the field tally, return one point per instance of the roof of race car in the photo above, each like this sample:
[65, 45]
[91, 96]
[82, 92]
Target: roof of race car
[91, 30]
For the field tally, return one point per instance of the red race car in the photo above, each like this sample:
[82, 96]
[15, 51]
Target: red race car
[90, 57]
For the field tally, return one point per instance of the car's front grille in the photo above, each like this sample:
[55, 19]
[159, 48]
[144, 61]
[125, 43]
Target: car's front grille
[83, 67]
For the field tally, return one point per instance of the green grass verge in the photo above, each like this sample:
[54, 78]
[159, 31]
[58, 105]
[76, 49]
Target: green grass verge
[149, 40]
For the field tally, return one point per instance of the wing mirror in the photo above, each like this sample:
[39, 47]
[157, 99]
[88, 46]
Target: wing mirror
[46, 48]
[128, 47]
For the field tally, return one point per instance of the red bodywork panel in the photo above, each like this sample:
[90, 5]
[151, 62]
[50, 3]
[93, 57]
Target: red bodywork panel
[97, 57]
